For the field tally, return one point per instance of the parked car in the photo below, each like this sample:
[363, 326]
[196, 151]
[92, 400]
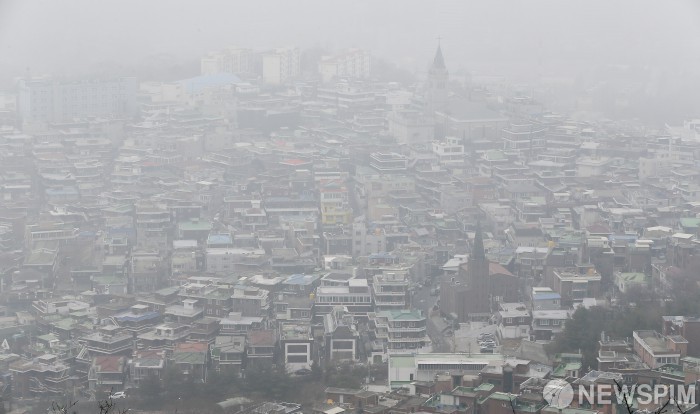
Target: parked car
[118, 395]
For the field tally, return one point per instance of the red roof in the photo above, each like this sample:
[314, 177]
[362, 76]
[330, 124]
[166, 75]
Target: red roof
[261, 338]
[295, 161]
[109, 363]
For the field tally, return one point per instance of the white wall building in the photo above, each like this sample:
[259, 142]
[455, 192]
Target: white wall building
[280, 65]
[355, 63]
[51, 100]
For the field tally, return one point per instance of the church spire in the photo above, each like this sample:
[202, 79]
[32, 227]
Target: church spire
[439, 60]
[478, 247]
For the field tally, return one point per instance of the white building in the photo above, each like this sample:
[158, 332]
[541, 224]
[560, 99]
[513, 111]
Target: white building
[355, 63]
[234, 60]
[279, 65]
[225, 261]
[51, 100]
[449, 151]
[407, 368]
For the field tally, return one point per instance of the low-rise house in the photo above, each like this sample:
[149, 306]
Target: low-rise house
[109, 340]
[191, 360]
[187, 312]
[625, 281]
[205, 330]
[293, 308]
[236, 324]
[260, 348]
[107, 374]
[296, 345]
[164, 336]
[341, 338]
[544, 298]
[250, 301]
[147, 363]
[514, 321]
[228, 353]
[657, 350]
[548, 323]
[138, 319]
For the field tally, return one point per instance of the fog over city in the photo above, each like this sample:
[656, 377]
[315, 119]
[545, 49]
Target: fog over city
[350, 207]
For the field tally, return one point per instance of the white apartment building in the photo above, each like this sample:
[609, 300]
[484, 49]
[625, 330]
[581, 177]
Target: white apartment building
[279, 65]
[234, 60]
[390, 291]
[449, 151]
[356, 297]
[355, 63]
[53, 100]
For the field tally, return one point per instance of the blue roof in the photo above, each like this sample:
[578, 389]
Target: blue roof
[130, 317]
[219, 239]
[198, 83]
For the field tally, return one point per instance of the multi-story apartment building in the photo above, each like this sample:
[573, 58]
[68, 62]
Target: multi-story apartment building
[335, 207]
[403, 331]
[390, 291]
[280, 65]
[45, 375]
[54, 100]
[356, 297]
[234, 60]
[354, 63]
[152, 225]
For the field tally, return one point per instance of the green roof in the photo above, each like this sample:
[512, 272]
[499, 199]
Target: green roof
[190, 357]
[690, 222]
[199, 225]
[402, 361]
[632, 277]
[484, 387]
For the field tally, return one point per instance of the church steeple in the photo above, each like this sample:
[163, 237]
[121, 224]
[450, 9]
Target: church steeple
[436, 85]
[439, 60]
[478, 247]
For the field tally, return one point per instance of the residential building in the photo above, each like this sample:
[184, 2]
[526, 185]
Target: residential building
[228, 353]
[354, 64]
[657, 350]
[402, 331]
[280, 65]
[53, 100]
[296, 346]
[191, 360]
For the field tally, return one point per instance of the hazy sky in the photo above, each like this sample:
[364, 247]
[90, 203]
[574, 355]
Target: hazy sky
[71, 35]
